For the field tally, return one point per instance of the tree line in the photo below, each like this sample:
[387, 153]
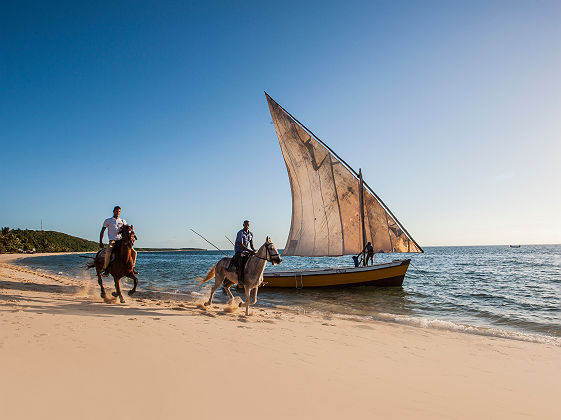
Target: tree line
[25, 240]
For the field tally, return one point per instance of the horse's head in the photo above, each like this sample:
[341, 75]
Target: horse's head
[127, 234]
[273, 255]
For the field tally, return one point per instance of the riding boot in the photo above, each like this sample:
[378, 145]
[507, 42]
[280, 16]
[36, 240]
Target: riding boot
[106, 271]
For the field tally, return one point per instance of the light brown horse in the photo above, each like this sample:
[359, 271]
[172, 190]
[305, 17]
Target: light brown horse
[121, 266]
[253, 274]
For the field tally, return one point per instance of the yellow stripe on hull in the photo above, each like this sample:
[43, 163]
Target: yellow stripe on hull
[390, 274]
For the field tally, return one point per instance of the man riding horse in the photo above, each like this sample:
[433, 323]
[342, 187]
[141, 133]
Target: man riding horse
[113, 226]
[244, 240]
[121, 266]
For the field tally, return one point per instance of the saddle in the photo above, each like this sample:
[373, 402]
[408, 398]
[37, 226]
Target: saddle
[237, 265]
[101, 255]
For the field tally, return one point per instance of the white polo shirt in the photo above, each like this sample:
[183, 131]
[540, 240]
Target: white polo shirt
[113, 226]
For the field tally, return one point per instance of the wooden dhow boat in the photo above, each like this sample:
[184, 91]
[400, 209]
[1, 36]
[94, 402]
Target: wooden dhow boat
[334, 213]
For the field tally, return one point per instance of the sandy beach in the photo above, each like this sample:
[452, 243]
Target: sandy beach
[65, 353]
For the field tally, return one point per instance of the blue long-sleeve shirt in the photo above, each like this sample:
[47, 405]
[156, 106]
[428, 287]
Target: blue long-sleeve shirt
[244, 238]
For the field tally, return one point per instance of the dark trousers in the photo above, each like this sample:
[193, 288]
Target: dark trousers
[238, 260]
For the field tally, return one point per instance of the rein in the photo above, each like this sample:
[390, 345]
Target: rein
[267, 253]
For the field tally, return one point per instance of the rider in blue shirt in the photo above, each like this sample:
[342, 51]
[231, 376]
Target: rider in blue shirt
[243, 250]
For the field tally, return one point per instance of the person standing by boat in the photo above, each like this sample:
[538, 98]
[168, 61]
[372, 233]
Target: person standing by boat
[369, 249]
[243, 248]
[113, 226]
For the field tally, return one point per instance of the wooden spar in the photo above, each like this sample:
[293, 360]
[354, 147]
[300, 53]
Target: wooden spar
[350, 169]
[361, 200]
[209, 242]
[229, 240]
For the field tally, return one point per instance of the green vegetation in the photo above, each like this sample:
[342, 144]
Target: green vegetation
[42, 241]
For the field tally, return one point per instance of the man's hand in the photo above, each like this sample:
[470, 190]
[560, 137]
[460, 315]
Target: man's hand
[101, 245]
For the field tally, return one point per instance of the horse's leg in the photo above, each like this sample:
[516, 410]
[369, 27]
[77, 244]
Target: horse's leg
[117, 291]
[131, 291]
[247, 293]
[100, 281]
[226, 287]
[254, 299]
[218, 279]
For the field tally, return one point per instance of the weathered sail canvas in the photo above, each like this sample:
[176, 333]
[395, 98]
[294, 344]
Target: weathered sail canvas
[325, 200]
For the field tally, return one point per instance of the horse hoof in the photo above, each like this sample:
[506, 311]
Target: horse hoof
[115, 294]
[122, 299]
[241, 304]
[206, 303]
[131, 292]
[103, 295]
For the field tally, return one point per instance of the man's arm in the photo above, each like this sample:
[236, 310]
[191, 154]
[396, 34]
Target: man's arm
[101, 236]
[245, 248]
[240, 243]
[361, 252]
[251, 243]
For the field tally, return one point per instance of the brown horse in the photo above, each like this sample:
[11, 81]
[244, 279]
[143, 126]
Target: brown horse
[121, 266]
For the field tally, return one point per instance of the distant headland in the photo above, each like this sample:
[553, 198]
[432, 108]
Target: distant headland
[27, 241]
[31, 241]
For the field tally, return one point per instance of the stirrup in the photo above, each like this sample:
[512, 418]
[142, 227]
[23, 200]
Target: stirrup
[105, 272]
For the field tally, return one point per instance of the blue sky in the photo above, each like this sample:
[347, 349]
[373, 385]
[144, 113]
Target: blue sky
[451, 109]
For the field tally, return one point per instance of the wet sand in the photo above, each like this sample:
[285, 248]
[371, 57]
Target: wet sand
[65, 353]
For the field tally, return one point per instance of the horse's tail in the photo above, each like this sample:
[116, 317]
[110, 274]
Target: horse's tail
[90, 264]
[209, 275]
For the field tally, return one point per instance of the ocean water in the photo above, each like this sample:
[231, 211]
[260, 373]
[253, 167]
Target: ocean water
[490, 290]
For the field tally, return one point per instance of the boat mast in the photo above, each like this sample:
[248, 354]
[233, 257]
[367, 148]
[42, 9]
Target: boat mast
[361, 199]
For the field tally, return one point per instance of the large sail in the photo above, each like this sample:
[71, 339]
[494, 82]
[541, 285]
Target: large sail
[326, 218]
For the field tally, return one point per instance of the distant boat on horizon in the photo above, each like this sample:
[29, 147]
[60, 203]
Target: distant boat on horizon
[515, 246]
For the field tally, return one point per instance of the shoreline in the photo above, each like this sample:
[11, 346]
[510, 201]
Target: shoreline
[387, 318]
[162, 358]
[5, 258]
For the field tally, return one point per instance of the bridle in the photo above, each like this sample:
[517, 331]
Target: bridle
[268, 254]
[128, 238]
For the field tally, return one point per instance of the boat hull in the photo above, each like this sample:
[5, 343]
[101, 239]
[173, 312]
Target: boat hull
[387, 274]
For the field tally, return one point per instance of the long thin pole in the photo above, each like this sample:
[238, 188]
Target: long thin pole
[229, 240]
[209, 242]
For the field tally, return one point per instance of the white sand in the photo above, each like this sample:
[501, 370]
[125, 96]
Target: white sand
[65, 354]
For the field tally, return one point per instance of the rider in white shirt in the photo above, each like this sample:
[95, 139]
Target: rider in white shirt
[113, 225]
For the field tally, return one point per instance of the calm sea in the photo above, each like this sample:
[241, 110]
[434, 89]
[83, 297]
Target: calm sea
[491, 290]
